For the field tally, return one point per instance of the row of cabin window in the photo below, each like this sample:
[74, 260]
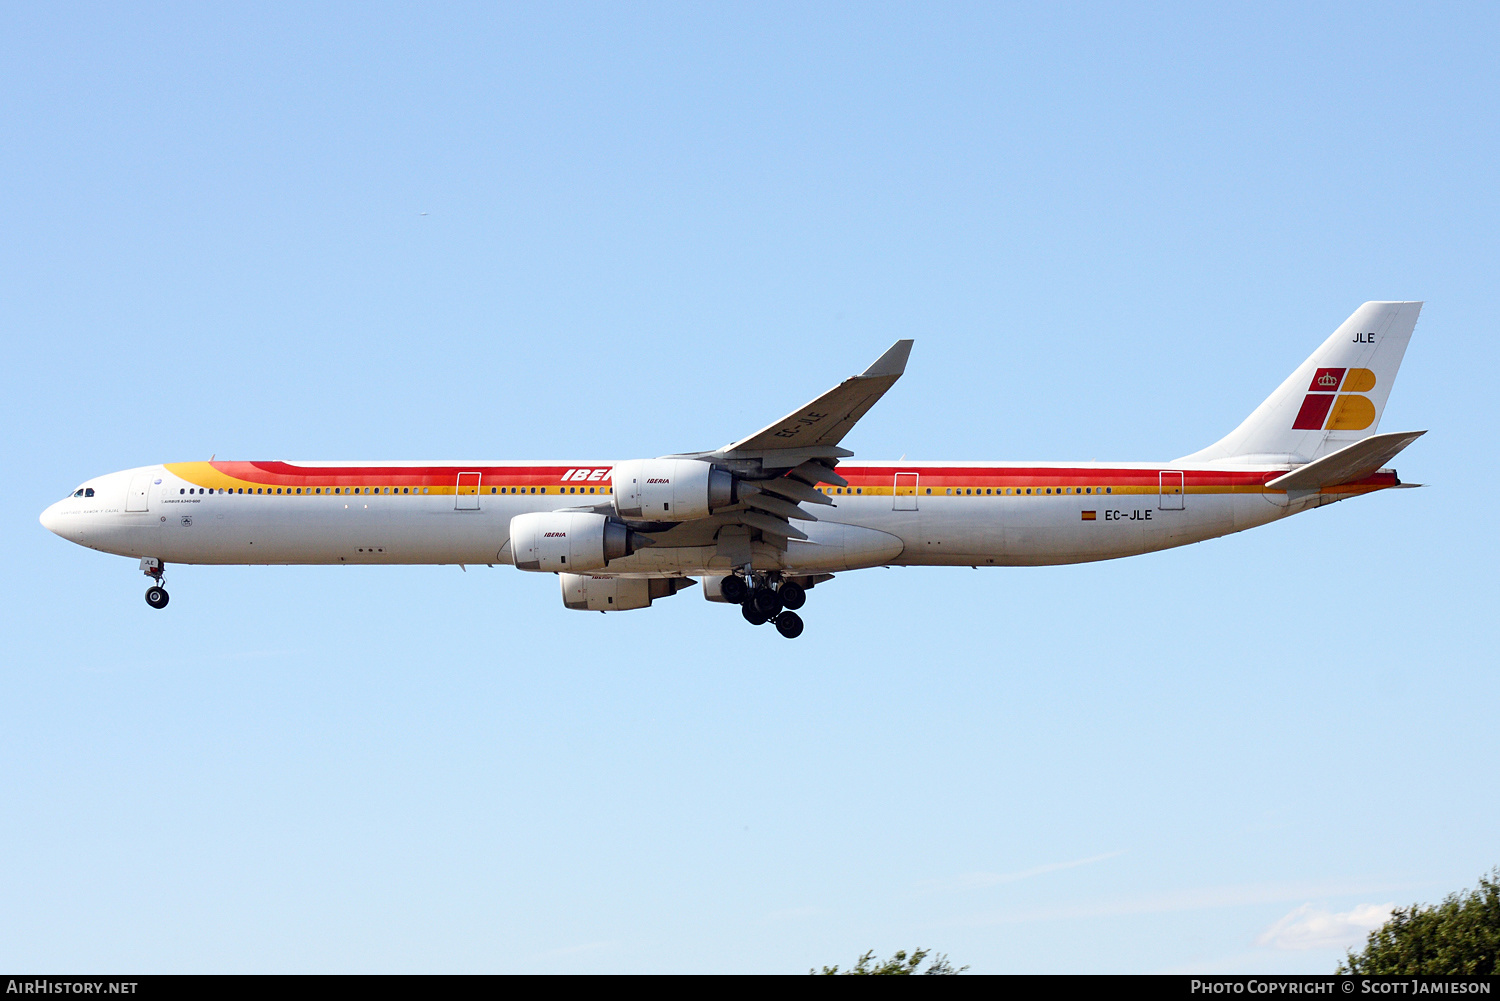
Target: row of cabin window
[356, 490]
[1039, 491]
[1006, 492]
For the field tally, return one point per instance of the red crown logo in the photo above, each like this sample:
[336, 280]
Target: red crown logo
[1328, 379]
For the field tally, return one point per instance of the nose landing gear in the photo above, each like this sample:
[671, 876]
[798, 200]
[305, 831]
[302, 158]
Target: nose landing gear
[156, 595]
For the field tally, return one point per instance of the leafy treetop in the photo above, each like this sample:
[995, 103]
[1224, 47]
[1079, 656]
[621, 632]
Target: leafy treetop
[1460, 936]
[900, 965]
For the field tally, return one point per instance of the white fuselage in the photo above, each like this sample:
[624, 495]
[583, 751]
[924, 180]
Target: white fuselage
[979, 514]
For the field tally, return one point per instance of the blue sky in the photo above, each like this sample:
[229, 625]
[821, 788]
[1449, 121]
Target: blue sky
[346, 231]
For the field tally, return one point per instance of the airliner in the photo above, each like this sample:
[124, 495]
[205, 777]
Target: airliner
[763, 520]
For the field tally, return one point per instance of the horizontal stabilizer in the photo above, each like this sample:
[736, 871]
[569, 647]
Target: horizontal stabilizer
[1347, 465]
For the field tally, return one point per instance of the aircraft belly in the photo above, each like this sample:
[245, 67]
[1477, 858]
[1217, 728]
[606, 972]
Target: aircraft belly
[833, 546]
[830, 547]
[1034, 531]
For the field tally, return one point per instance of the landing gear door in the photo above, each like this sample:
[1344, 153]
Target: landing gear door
[905, 493]
[1172, 491]
[138, 496]
[467, 498]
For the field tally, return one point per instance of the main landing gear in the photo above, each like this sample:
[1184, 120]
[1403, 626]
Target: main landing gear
[156, 595]
[767, 600]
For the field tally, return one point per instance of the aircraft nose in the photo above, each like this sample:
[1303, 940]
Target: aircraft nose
[50, 520]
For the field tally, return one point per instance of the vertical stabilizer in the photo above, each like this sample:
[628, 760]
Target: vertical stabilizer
[1334, 398]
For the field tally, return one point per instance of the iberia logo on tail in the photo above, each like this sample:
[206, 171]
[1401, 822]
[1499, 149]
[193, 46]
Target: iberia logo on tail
[1334, 402]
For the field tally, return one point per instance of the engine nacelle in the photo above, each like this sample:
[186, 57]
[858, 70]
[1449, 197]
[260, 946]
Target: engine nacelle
[670, 489]
[584, 593]
[557, 541]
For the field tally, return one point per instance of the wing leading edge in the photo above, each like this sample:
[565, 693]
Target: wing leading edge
[823, 423]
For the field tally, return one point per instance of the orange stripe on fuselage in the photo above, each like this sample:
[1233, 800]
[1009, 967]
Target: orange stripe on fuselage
[863, 480]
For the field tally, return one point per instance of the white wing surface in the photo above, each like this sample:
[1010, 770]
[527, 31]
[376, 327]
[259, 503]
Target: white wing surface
[823, 423]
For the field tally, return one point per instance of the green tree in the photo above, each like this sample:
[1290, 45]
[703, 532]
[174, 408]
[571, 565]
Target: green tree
[900, 965]
[1460, 936]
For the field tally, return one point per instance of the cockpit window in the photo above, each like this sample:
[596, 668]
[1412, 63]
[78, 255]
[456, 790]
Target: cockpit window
[89, 492]
[78, 492]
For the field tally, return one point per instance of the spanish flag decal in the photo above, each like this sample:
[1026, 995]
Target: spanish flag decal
[1090, 516]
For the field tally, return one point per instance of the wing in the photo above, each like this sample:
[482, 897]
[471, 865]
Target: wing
[822, 424]
[778, 466]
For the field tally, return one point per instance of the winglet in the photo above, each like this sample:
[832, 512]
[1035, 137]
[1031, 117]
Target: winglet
[893, 362]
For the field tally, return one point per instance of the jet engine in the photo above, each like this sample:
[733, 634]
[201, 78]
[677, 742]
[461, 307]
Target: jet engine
[554, 541]
[670, 489]
[584, 593]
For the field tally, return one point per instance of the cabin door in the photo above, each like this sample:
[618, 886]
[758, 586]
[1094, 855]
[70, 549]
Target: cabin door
[1172, 492]
[138, 497]
[905, 493]
[467, 498]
